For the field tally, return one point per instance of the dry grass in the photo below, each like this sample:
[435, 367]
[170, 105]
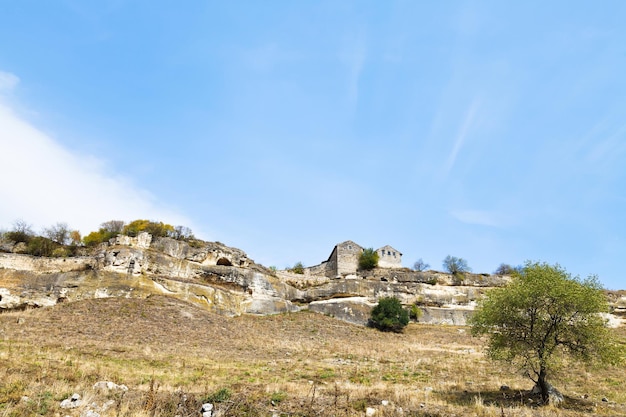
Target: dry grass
[173, 356]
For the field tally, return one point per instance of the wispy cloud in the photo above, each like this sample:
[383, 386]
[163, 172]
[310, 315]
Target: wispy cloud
[462, 135]
[8, 81]
[610, 146]
[354, 56]
[45, 183]
[480, 217]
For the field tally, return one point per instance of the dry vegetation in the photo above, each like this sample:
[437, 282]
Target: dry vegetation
[173, 356]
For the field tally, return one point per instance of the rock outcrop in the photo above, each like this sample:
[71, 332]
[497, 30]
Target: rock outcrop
[224, 280]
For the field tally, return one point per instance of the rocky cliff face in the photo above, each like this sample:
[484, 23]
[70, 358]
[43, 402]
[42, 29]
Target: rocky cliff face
[225, 280]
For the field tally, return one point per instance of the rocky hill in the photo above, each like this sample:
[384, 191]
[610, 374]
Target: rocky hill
[224, 280]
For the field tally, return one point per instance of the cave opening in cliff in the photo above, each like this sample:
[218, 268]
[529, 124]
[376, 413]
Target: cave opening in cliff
[224, 261]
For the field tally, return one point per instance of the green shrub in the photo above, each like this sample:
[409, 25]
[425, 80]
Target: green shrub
[389, 315]
[41, 246]
[156, 229]
[95, 238]
[277, 397]
[62, 252]
[17, 236]
[298, 268]
[22, 232]
[219, 396]
[368, 259]
[415, 312]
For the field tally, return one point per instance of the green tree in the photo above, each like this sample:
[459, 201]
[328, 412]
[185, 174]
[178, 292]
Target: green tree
[543, 315]
[454, 265]
[368, 259]
[389, 315]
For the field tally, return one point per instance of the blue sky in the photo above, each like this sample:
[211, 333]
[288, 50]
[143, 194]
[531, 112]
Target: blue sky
[492, 131]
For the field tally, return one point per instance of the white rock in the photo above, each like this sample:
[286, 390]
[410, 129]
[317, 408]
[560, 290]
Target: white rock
[72, 402]
[207, 410]
[108, 385]
[144, 239]
[385, 403]
[370, 412]
[107, 405]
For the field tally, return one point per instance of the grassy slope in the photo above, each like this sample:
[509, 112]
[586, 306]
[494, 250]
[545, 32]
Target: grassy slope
[173, 355]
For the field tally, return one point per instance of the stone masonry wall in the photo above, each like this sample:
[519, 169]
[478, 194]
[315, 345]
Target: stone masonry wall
[389, 257]
[347, 254]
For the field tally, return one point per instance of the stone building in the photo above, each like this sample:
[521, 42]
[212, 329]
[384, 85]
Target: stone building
[389, 257]
[344, 260]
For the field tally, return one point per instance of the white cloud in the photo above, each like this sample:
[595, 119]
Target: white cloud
[479, 217]
[8, 81]
[44, 183]
[461, 136]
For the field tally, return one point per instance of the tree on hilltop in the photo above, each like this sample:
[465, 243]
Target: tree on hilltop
[59, 233]
[420, 265]
[542, 315]
[505, 269]
[454, 265]
[21, 232]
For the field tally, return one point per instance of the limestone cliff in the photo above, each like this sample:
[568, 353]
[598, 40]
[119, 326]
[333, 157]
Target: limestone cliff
[224, 280]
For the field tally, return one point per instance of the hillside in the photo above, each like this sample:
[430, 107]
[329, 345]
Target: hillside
[182, 323]
[173, 355]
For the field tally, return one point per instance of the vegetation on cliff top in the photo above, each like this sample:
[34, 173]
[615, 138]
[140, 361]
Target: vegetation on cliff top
[368, 259]
[59, 240]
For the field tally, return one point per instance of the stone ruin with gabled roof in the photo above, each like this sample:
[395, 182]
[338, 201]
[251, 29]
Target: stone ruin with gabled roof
[344, 260]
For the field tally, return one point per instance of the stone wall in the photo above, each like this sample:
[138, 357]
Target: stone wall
[346, 257]
[324, 270]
